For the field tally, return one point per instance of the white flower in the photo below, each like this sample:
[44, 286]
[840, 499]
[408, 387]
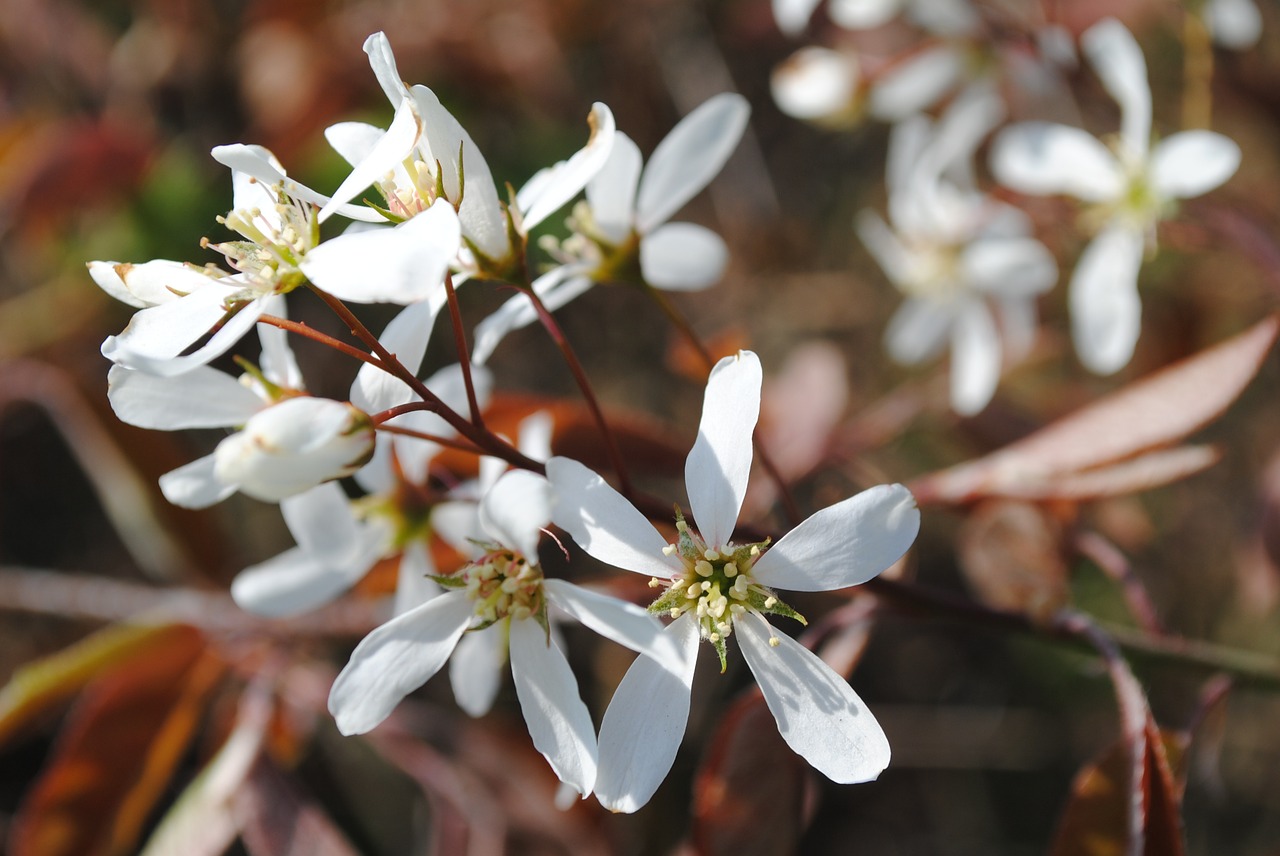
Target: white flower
[624, 220]
[941, 17]
[1129, 186]
[1235, 24]
[720, 589]
[503, 587]
[955, 254]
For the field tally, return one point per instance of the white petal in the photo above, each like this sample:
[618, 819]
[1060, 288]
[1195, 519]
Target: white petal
[1043, 158]
[482, 218]
[407, 336]
[534, 436]
[918, 330]
[476, 667]
[562, 182]
[147, 284]
[844, 544]
[883, 245]
[396, 659]
[1008, 266]
[556, 287]
[945, 17]
[404, 264]
[863, 14]
[257, 162]
[389, 152]
[716, 471]
[624, 623]
[458, 524]
[689, 157]
[414, 585]
[1191, 163]
[516, 510]
[353, 141]
[793, 15]
[815, 83]
[383, 62]
[975, 359]
[194, 485]
[604, 523]
[645, 723]
[1235, 24]
[1118, 60]
[1106, 312]
[818, 714]
[202, 398]
[682, 257]
[612, 191]
[153, 348]
[916, 83]
[278, 363]
[322, 522]
[558, 721]
[294, 582]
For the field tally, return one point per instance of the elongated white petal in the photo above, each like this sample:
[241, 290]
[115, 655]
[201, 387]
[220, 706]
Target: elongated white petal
[396, 659]
[556, 287]
[202, 398]
[1043, 158]
[624, 623]
[1235, 24]
[1191, 163]
[815, 83]
[558, 721]
[918, 330]
[167, 329]
[533, 438]
[1106, 312]
[407, 336]
[354, 141]
[975, 358]
[716, 471]
[297, 581]
[883, 245]
[386, 154]
[404, 264]
[194, 485]
[645, 722]
[844, 544]
[476, 667]
[818, 714]
[383, 62]
[151, 350]
[147, 284]
[458, 523]
[916, 83]
[277, 362]
[793, 15]
[612, 191]
[1008, 266]
[603, 523]
[516, 510]
[257, 162]
[322, 522]
[682, 257]
[863, 14]
[689, 157]
[414, 585]
[483, 220]
[1118, 60]
[566, 179]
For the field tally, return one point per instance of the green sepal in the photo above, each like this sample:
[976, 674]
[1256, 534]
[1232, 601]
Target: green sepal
[722, 652]
[451, 582]
[385, 212]
[670, 599]
[541, 617]
[756, 599]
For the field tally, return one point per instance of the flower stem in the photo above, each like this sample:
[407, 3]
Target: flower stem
[464, 355]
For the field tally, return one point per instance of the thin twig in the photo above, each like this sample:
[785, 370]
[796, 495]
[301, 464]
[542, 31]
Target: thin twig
[464, 355]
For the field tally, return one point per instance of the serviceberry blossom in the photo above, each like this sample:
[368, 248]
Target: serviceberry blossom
[960, 258]
[503, 589]
[621, 233]
[716, 588]
[1234, 24]
[1128, 184]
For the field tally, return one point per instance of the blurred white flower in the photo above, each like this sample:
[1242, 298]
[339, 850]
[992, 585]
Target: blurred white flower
[955, 254]
[716, 589]
[1128, 184]
[1234, 24]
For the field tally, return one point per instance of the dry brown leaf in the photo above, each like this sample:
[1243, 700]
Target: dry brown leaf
[1011, 555]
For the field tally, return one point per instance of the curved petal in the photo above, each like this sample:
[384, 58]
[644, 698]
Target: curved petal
[815, 83]
[153, 350]
[414, 585]
[407, 336]
[383, 62]
[194, 485]
[844, 544]
[516, 510]
[918, 330]
[1008, 266]
[1044, 158]
[558, 721]
[165, 330]
[150, 283]
[458, 524]
[818, 713]
[716, 471]
[645, 722]
[475, 669]
[353, 141]
[1191, 163]
[534, 436]
[793, 15]
[257, 162]
[395, 659]
[322, 522]
[682, 257]
[624, 623]
[294, 582]
[403, 264]
[1106, 312]
[202, 398]
[556, 287]
[863, 14]
[612, 191]
[883, 245]
[605, 524]
[1235, 24]
[975, 358]
[384, 156]
[689, 157]
[558, 184]
[916, 83]
[1118, 60]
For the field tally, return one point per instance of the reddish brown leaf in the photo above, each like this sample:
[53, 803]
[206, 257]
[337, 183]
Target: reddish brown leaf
[748, 797]
[1011, 555]
[1151, 413]
[117, 752]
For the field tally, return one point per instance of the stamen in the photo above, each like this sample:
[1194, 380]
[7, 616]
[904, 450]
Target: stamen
[710, 555]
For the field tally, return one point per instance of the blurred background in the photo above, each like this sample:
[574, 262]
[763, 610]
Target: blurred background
[107, 112]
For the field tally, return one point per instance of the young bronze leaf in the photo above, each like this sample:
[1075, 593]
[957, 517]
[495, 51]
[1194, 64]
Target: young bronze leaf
[117, 752]
[1011, 555]
[1153, 412]
[749, 793]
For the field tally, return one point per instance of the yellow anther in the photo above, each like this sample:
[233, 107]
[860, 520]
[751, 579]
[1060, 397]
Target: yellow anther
[669, 550]
[710, 555]
[770, 602]
[703, 569]
[774, 641]
[654, 582]
[730, 570]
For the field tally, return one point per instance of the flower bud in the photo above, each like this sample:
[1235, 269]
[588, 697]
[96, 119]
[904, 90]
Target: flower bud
[295, 445]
